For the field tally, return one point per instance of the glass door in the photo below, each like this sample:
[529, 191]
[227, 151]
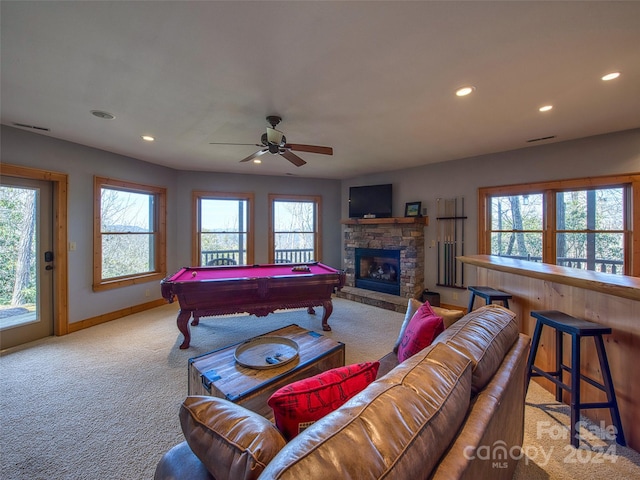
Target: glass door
[26, 261]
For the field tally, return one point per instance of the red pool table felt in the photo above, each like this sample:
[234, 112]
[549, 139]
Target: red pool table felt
[229, 272]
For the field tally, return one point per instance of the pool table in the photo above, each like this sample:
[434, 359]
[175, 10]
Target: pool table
[254, 289]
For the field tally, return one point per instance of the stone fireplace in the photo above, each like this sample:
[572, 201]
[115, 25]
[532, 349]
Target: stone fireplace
[393, 247]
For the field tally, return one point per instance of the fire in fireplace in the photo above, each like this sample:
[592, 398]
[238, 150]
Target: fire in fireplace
[378, 270]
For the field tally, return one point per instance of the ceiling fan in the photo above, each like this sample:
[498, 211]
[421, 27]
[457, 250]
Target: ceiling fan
[274, 142]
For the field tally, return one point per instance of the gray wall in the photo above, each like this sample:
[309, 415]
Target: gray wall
[615, 153]
[81, 163]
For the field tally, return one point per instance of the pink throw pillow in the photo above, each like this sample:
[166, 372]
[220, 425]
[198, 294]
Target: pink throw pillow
[423, 328]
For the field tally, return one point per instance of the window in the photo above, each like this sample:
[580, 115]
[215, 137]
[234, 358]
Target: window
[516, 226]
[582, 223]
[129, 233]
[590, 229]
[294, 228]
[223, 228]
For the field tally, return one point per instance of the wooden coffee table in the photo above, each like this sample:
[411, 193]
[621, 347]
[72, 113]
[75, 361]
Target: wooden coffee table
[218, 374]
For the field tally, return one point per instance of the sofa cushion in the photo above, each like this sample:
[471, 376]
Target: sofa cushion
[484, 336]
[298, 405]
[423, 327]
[398, 427]
[449, 317]
[231, 441]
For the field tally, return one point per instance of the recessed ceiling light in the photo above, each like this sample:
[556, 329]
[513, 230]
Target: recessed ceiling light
[464, 91]
[147, 138]
[611, 76]
[103, 115]
[257, 160]
[546, 108]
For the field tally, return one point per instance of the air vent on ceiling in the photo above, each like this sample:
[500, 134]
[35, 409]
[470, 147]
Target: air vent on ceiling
[541, 139]
[32, 127]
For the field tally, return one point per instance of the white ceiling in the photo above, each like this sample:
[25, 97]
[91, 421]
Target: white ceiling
[374, 80]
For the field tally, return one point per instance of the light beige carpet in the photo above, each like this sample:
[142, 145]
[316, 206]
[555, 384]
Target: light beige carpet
[102, 403]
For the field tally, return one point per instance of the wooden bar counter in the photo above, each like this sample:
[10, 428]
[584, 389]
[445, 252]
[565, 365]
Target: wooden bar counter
[611, 300]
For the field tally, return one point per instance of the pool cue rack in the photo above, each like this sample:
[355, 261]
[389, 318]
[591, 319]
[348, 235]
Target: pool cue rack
[450, 223]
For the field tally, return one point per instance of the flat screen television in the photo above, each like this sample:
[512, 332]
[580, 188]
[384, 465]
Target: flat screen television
[370, 200]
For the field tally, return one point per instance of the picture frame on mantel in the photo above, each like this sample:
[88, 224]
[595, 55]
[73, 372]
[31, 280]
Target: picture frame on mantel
[412, 209]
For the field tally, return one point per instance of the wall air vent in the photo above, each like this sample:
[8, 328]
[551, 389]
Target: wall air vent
[32, 127]
[541, 139]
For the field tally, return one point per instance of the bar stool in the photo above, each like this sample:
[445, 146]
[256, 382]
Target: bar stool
[489, 294]
[577, 328]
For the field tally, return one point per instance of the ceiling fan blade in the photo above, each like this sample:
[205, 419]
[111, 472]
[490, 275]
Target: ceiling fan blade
[247, 144]
[254, 155]
[310, 148]
[274, 136]
[293, 158]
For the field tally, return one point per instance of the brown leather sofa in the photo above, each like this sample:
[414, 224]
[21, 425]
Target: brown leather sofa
[453, 410]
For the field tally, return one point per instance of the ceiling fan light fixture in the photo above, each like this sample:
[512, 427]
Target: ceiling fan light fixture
[147, 138]
[274, 142]
[545, 108]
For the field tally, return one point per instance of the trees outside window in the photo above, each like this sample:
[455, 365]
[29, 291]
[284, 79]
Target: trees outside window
[590, 229]
[17, 246]
[223, 224]
[129, 231]
[583, 223]
[295, 230]
[516, 226]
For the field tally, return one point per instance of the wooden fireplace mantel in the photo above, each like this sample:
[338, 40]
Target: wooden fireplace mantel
[386, 221]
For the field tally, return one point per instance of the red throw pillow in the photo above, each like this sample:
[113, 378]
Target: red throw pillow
[298, 405]
[423, 328]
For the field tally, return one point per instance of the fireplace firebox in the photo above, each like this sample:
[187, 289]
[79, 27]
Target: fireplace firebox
[378, 270]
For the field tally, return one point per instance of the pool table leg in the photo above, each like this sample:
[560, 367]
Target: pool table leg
[328, 309]
[183, 326]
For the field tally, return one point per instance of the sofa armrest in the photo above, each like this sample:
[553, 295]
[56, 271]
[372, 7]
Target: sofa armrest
[387, 363]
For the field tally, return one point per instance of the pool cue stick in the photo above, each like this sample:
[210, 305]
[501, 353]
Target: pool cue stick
[462, 244]
[448, 204]
[446, 242]
[445, 226]
[438, 235]
[452, 245]
[455, 241]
